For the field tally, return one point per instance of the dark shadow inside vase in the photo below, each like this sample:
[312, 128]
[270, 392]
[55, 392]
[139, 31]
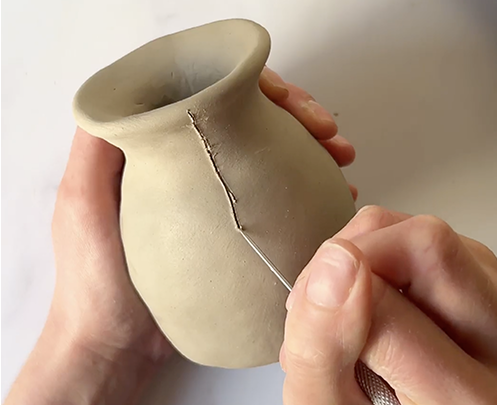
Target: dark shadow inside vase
[139, 83]
[180, 83]
[171, 69]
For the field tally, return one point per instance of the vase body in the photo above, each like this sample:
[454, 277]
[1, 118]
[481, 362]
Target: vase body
[188, 113]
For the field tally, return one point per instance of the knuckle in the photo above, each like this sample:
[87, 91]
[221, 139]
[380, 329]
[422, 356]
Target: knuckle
[434, 231]
[387, 356]
[385, 348]
[65, 198]
[488, 253]
[306, 358]
[307, 349]
[71, 208]
[387, 353]
[67, 194]
[62, 204]
[293, 391]
[288, 397]
[437, 240]
[484, 251]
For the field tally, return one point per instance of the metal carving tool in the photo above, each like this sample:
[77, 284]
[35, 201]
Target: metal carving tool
[374, 387]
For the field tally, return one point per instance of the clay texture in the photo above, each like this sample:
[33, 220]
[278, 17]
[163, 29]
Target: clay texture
[204, 149]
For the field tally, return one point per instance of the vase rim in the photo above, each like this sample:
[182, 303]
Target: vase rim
[249, 66]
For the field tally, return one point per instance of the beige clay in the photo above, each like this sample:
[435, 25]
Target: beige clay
[204, 149]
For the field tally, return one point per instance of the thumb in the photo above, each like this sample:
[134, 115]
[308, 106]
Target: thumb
[85, 225]
[94, 168]
[329, 315]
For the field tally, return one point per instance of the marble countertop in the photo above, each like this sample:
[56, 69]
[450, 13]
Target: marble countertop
[413, 85]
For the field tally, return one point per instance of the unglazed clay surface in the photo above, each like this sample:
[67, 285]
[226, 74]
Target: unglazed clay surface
[204, 149]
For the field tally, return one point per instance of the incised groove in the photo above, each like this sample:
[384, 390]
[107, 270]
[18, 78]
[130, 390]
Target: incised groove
[210, 154]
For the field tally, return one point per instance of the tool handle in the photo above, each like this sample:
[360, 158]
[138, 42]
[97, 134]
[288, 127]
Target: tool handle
[376, 388]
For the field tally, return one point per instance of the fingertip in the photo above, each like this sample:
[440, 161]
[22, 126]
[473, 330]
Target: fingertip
[358, 302]
[334, 272]
[273, 86]
[314, 117]
[80, 132]
[337, 274]
[331, 273]
[354, 191]
[93, 172]
[326, 127]
[340, 149]
[90, 154]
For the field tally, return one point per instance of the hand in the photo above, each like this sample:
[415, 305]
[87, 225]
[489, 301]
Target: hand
[434, 343]
[96, 315]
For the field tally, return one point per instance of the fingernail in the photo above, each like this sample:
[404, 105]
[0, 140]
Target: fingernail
[319, 111]
[275, 80]
[340, 140]
[363, 209]
[332, 276]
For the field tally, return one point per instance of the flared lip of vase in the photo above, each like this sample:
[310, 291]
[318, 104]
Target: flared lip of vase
[248, 68]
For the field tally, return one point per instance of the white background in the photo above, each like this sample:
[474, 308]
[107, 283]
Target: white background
[414, 84]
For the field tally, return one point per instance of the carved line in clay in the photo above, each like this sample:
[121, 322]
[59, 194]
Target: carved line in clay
[208, 149]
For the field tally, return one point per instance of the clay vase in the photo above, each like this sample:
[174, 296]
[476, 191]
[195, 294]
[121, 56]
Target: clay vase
[206, 153]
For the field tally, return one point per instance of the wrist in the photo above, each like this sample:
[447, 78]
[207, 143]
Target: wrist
[67, 370]
[120, 334]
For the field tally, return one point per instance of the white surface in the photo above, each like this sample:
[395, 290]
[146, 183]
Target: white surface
[414, 84]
